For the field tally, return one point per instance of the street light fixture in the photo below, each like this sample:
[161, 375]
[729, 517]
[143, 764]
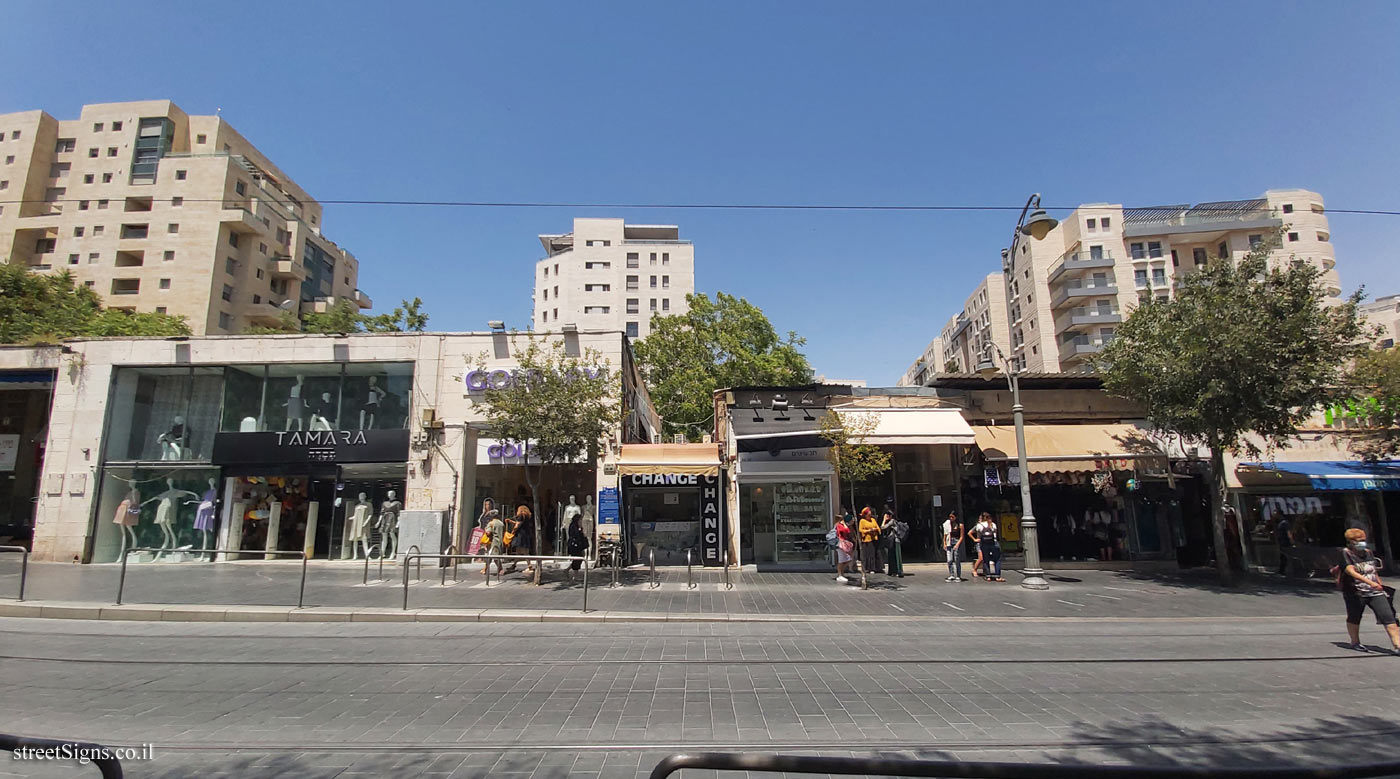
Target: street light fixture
[1037, 226]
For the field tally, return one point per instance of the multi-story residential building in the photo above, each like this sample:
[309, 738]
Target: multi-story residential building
[1384, 312]
[924, 368]
[160, 211]
[607, 275]
[981, 321]
[1067, 293]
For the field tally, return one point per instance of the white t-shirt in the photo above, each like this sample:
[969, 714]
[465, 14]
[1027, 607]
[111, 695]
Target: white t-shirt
[986, 531]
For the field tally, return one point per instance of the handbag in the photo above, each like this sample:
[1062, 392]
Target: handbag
[509, 536]
[845, 545]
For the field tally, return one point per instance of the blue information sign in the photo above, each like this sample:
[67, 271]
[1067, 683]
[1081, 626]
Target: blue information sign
[609, 511]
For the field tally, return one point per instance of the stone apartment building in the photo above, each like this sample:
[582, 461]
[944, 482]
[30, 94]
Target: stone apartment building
[1063, 297]
[160, 211]
[608, 275]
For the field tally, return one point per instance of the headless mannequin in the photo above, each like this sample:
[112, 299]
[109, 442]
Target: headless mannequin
[389, 524]
[571, 510]
[128, 514]
[296, 407]
[359, 525]
[172, 442]
[204, 516]
[588, 515]
[372, 397]
[166, 513]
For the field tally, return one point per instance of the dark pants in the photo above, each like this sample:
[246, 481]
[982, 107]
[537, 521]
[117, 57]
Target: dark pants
[895, 555]
[1283, 559]
[991, 554]
[870, 556]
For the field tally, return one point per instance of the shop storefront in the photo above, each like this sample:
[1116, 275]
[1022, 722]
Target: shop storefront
[673, 503]
[25, 397]
[565, 489]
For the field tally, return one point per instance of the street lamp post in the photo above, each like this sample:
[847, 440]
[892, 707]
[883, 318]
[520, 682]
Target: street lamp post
[1037, 226]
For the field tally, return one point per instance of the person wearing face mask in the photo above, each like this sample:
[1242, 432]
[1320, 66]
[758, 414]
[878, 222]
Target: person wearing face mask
[1360, 582]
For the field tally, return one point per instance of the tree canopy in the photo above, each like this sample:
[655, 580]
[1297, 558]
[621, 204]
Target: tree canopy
[725, 342]
[43, 308]
[850, 456]
[1374, 407]
[344, 317]
[1241, 349]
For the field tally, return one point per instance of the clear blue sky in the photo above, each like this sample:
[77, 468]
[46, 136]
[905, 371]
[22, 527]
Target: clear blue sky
[756, 102]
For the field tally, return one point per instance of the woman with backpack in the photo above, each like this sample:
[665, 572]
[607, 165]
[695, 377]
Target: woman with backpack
[576, 542]
[1358, 577]
[890, 539]
[844, 547]
[988, 548]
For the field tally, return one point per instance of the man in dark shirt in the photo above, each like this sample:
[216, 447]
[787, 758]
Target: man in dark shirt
[1283, 536]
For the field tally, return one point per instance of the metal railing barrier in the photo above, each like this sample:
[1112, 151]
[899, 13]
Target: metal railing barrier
[373, 548]
[450, 552]
[689, 582]
[98, 755]
[443, 558]
[301, 592]
[418, 576]
[875, 766]
[655, 582]
[23, 565]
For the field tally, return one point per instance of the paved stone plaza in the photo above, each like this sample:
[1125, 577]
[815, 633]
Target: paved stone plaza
[1106, 667]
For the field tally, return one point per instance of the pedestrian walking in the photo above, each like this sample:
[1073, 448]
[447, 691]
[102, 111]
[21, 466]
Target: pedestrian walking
[576, 544]
[869, 530]
[494, 541]
[845, 547]
[1358, 577]
[1283, 535]
[974, 535]
[953, 534]
[520, 537]
[890, 541]
[989, 548]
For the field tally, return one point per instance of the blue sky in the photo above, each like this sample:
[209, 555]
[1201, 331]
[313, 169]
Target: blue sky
[756, 102]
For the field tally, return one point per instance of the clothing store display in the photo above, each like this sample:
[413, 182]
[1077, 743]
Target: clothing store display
[204, 515]
[128, 514]
[389, 515]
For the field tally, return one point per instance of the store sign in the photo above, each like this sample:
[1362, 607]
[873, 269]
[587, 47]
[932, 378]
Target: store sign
[311, 446]
[712, 521]
[1270, 505]
[609, 513]
[666, 480]
[9, 451]
[481, 379]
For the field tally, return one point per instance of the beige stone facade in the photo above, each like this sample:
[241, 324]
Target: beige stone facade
[924, 368]
[1384, 313]
[103, 425]
[982, 321]
[1066, 294]
[610, 275]
[159, 211]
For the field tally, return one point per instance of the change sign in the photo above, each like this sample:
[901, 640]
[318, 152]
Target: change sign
[712, 531]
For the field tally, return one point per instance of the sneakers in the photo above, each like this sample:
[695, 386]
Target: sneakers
[951, 579]
[1359, 648]
[842, 579]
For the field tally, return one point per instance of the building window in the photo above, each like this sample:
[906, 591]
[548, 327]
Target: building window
[227, 294]
[111, 151]
[1154, 249]
[168, 256]
[262, 248]
[1223, 251]
[1198, 256]
[233, 240]
[632, 282]
[230, 266]
[546, 316]
[1140, 278]
[92, 260]
[1255, 240]
[653, 282]
[102, 204]
[180, 175]
[240, 187]
[176, 202]
[97, 127]
[1159, 277]
[258, 272]
[201, 138]
[597, 287]
[98, 229]
[172, 228]
[596, 309]
[546, 272]
[633, 305]
[556, 292]
[1175, 262]
[1287, 208]
[653, 258]
[631, 329]
[116, 127]
[633, 260]
[160, 309]
[126, 286]
[92, 153]
[1092, 224]
[665, 258]
[64, 145]
[225, 321]
[592, 265]
[1137, 251]
[88, 178]
[556, 315]
[106, 178]
[133, 231]
[1323, 237]
[257, 299]
[77, 232]
[665, 304]
[165, 283]
[546, 294]
[653, 304]
[72, 259]
[1103, 223]
[665, 282]
[1292, 237]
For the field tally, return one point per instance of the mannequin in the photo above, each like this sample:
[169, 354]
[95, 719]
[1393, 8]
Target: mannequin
[204, 515]
[172, 442]
[296, 407]
[318, 422]
[359, 526]
[325, 409]
[166, 514]
[389, 524]
[248, 425]
[571, 510]
[371, 405]
[127, 516]
[588, 516]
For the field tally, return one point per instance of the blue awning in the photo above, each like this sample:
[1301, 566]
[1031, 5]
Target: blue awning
[1332, 475]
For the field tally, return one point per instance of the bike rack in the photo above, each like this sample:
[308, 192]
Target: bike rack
[373, 548]
[98, 755]
[450, 552]
[443, 558]
[301, 593]
[23, 565]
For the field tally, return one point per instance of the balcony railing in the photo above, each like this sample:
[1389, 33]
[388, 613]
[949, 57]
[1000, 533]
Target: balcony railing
[1080, 261]
[1086, 316]
[1083, 290]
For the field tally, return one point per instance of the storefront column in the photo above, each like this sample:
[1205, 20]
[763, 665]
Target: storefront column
[466, 513]
[1386, 552]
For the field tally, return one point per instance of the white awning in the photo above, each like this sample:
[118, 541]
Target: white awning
[917, 426]
[685, 459]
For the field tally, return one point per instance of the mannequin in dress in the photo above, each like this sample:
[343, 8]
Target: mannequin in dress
[359, 526]
[373, 395]
[389, 524]
[571, 510]
[172, 441]
[296, 407]
[204, 515]
[166, 514]
[127, 516]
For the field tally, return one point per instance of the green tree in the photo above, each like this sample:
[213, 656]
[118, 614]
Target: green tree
[1241, 349]
[727, 342]
[344, 317]
[850, 456]
[951, 366]
[560, 408]
[1374, 405]
[41, 308]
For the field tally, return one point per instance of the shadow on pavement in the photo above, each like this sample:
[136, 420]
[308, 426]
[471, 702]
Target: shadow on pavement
[1207, 580]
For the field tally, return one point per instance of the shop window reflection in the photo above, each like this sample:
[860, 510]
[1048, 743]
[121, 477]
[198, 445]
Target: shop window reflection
[376, 396]
[243, 399]
[163, 414]
[161, 507]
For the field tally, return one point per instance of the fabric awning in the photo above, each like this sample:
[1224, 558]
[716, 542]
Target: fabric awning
[1071, 448]
[684, 459]
[916, 426]
[1323, 474]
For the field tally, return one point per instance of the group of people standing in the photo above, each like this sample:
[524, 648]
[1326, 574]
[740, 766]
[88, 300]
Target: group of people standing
[871, 545]
[515, 536]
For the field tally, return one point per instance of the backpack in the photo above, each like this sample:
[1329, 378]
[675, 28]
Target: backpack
[901, 530]
[831, 538]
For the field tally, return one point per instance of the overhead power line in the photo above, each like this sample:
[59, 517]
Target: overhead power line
[705, 206]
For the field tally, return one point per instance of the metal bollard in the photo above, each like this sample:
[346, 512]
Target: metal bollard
[405, 582]
[301, 593]
[23, 565]
[654, 581]
[689, 583]
[585, 586]
[727, 585]
[365, 578]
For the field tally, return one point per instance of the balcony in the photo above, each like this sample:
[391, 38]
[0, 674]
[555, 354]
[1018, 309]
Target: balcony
[1083, 290]
[1086, 316]
[1079, 261]
[1079, 349]
[1201, 218]
[286, 268]
[263, 313]
[362, 300]
[240, 220]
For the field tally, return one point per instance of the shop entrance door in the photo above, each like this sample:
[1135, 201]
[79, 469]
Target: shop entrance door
[914, 505]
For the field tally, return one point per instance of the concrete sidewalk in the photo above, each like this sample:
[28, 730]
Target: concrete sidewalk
[267, 591]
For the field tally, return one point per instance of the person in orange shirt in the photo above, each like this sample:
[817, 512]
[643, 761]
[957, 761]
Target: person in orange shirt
[869, 530]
